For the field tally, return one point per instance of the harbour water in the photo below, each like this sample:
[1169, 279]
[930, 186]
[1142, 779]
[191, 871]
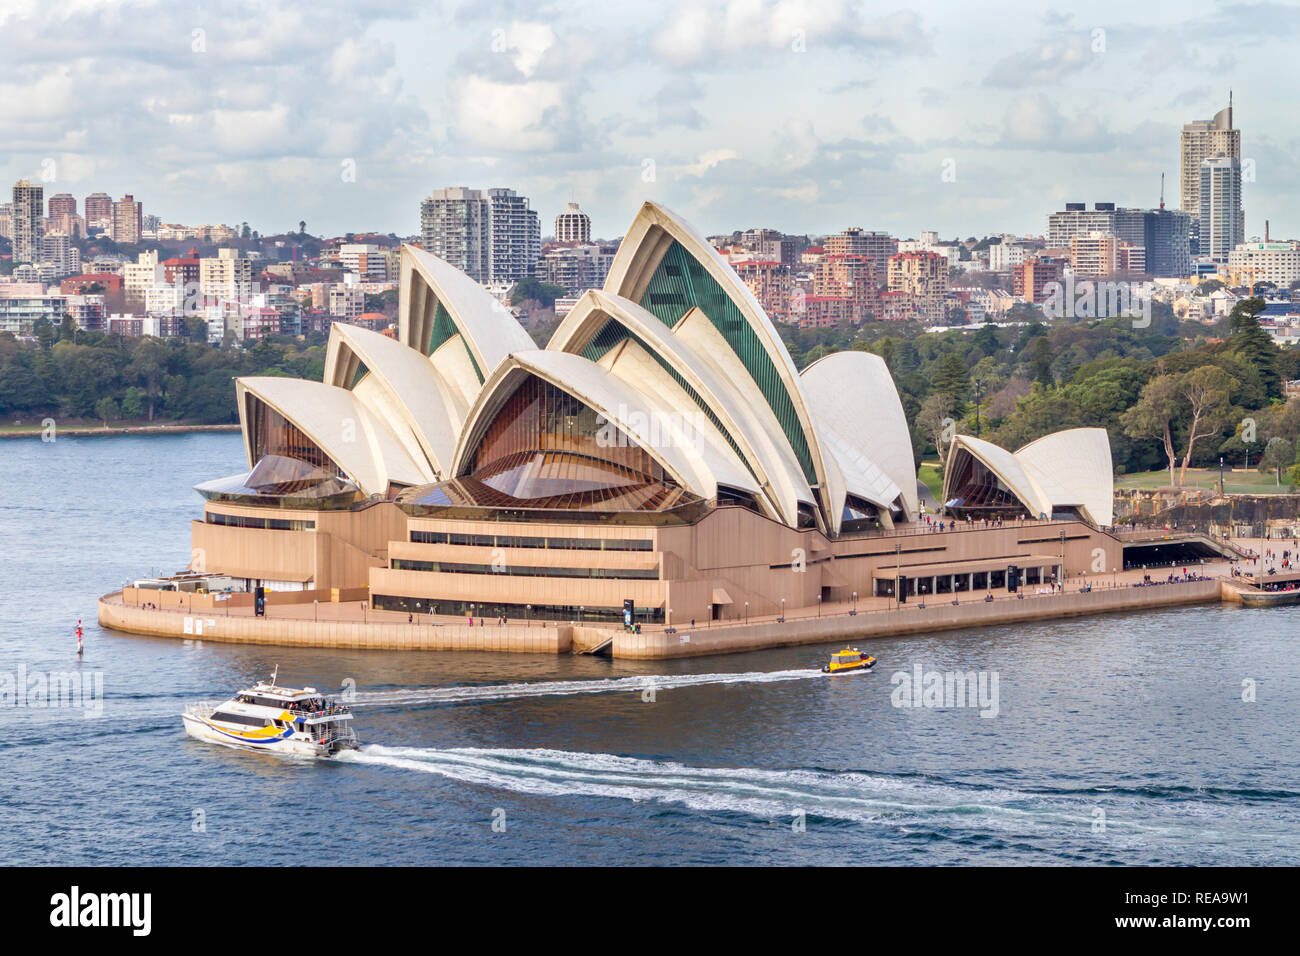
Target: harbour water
[1117, 739]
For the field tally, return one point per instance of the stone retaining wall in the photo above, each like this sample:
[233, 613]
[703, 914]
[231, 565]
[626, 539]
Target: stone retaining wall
[291, 632]
[936, 616]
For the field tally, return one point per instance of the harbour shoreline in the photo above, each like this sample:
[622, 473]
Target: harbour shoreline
[77, 431]
[209, 624]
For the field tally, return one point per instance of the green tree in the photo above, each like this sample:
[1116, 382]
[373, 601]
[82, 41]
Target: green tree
[952, 379]
[1153, 416]
[148, 369]
[1253, 345]
[1040, 361]
[985, 341]
[1206, 391]
[133, 403]
[936, 422]
[1278, 454]
[106, 410]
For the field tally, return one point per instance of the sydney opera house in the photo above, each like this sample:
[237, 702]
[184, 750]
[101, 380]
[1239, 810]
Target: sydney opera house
[662, 453]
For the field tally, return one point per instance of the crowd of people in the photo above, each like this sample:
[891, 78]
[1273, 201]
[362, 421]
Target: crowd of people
[1173, 578]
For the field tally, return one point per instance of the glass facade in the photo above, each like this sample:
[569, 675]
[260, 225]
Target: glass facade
[526, 571]
[528, 541]
[516, 612]
[442, 329]
[272, 524]
[613, 332]
[274, 435]
[283, 483]
[546, 450]
[976, 491]
[681, 283]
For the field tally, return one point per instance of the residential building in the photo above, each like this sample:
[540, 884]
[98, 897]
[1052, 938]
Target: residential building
[876, 247]
[62, 204]
[99, 213]
[454, 224]
[1030, 278]
[57, 250]
[490, 235]
[368, 261]
[28, 221]
[514, 236]
[573, 225]
[19, 312]
[227, 276]
[182, 270]
[771, 284]
[140, 276]
[128, 221]
[345, 300]
[576, 268]
[924, 276]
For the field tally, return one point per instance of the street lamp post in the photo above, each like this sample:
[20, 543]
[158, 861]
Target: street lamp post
[855, 602]
[782, 610]
[315, 610]
[746, 612]
[1220, 476]
[819, 605]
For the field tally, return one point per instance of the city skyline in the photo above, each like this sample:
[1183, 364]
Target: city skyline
[832, 115]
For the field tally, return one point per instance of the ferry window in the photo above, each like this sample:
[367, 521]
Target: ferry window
[240, 719]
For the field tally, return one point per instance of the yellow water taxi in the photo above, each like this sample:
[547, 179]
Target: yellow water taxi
[849, 661]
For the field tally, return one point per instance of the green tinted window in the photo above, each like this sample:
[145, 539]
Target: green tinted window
[680, 284]
[443, 329]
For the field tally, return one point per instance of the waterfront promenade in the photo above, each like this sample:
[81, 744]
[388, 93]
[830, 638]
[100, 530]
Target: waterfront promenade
[353, 624]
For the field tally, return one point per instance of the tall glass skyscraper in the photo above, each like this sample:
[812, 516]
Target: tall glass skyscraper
[1221, 222]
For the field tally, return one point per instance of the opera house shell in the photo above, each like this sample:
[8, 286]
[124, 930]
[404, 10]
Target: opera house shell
[661, 453]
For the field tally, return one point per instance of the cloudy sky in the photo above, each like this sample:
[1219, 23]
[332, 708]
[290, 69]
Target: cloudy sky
[800, 115]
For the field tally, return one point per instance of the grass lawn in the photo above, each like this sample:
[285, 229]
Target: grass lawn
[931, 475]
[1236, 482]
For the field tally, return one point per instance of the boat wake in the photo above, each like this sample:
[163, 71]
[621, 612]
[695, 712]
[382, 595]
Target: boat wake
[770, 794]
[564, 688]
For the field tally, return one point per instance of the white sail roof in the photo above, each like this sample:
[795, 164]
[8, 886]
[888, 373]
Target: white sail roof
[1074, 469]
[641, 252]
[728, 394]
[400, 386]
[357, 440]
[855, 402]
[695, 461]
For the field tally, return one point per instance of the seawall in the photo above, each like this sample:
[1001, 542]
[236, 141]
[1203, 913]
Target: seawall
[730, 638]
[910, 619]
[290, 632]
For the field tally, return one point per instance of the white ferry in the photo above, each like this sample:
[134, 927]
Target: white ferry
[275, 719]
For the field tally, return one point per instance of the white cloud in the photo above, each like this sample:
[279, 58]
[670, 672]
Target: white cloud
[510, 116]
[707, 35]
